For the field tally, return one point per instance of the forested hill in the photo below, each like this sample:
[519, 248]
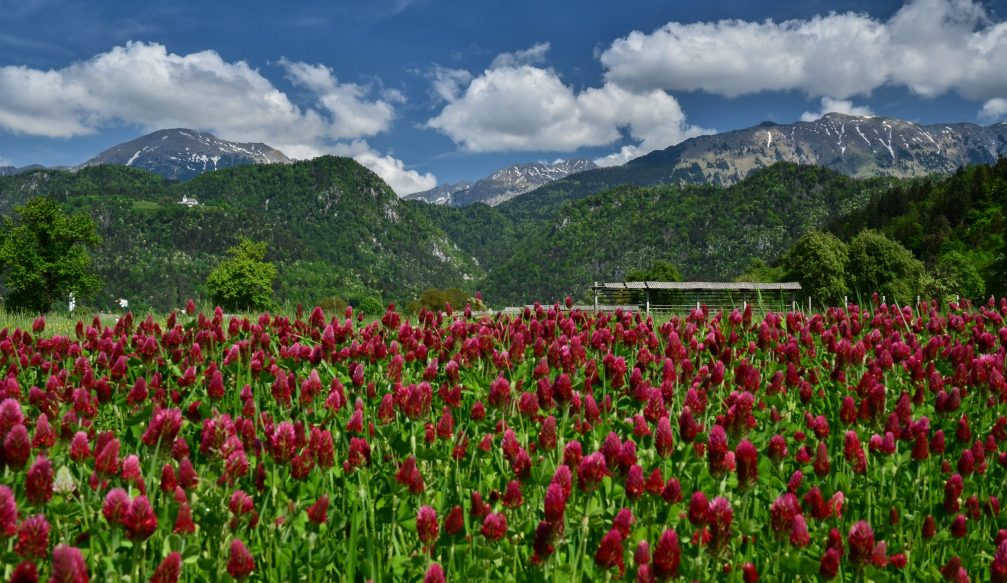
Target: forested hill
[964, 214]
[709, 232]
[333, 228]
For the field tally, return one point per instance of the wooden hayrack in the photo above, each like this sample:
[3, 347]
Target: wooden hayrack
[676, 296]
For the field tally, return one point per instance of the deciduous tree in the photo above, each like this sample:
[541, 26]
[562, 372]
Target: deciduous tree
[245, 281]
[44, 256]
[818, 261]
[878, 264]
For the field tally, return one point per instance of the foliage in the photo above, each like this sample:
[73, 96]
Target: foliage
[244, 282]
[45, 257]
[370, 306]
[487, 233]
[879, 265]
[956, 276]
[818, 261]
[964, 212]
[333, 304]
[314, 216]
[709, 232]
[435, 299]
[658, 271]
[759, 271]
[545, 245]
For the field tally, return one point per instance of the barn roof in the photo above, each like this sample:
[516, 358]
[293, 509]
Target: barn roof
[699, 285]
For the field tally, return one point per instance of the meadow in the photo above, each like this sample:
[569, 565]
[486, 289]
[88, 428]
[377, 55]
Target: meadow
[866, 443]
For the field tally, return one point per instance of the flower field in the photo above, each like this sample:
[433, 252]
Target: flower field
[860, 444]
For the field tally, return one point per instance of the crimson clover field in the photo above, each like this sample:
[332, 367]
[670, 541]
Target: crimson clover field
[867, 443]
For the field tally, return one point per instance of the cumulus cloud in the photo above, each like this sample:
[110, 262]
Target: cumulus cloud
[5, 162]
[392, 170]
[515, 105]
[350, 114]
[534, 55]
[993, 110]
[448, 83]
[929, 46]
[830, 105]
[144, 84]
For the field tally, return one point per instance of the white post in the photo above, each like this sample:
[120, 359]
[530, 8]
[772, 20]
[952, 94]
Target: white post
[647, 293]
[596, 297]
[883, 299]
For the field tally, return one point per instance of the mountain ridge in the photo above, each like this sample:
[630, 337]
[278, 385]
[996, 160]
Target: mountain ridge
[857, 146]
[502, 185]
[183, 154]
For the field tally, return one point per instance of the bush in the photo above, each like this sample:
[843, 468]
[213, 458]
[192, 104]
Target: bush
[333, 305]
[435, 299]
[370, 306]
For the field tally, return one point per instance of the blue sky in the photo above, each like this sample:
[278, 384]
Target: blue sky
[429, 91]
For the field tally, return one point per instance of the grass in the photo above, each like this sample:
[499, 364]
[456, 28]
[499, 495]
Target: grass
[146, 206]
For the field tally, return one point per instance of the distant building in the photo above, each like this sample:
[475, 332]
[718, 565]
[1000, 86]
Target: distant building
[189, 201]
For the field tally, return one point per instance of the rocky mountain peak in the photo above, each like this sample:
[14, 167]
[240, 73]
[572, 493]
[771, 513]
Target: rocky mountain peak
[503, 184]
[855, 145]
[181, 154]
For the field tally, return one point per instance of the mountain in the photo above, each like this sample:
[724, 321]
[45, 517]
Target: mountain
[333, 228]
[502, 185]
[853, 145]
[182, 154]
[857, 146]
[442, 194]
[12, 170]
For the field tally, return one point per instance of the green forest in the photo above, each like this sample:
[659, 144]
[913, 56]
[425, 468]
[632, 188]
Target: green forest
[337, 234]
[332, 228]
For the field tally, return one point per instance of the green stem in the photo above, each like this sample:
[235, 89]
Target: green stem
[582, 547]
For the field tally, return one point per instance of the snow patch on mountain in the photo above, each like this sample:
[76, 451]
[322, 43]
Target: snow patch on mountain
[181, 154]
[503, 184]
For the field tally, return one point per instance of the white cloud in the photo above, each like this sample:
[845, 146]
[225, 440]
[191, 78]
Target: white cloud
[390, 169]
[351, 115]
[449, 83]
[5, 162]
[524, 107]
[830, 105]
[145, 85]
[625, 154]
[993, 110]
[929, 46]
[534, 55]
